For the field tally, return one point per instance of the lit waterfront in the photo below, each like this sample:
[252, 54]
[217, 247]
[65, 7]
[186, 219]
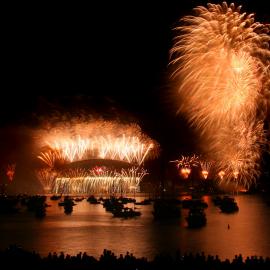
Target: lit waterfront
[90, 228]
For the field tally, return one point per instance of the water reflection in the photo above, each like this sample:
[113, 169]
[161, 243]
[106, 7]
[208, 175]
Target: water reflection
[90, 228]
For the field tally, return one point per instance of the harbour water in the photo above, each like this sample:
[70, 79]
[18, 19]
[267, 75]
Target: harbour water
[90, 228]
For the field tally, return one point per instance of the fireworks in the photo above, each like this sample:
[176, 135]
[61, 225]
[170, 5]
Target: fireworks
[77, 140]
[221, 63]
[50, 158]
[98, 180]
[221, 175]
[240, 155]
[46, 177]
[205, 166]
[185, 163]
[98, 139]
[10, 171]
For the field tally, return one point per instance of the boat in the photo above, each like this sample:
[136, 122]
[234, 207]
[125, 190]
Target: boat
[143, 202]
[93, 200]
[194, 203]
[55, 197]
[125, 200]
[196, 218]
[78, 199]
[67, 202]
[126, 212]
[165, 209]
[228, 205]
[217, 200]
[112, 205]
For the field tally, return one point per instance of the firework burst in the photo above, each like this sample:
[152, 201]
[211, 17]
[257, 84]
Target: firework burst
[221, 63]
[96, 139]
[185, 163]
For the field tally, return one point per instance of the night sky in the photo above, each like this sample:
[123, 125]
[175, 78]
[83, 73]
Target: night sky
[105, 59]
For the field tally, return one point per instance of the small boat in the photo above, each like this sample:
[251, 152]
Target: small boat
[228, 205]
[125, 200]
[144, 202]
[165, 209]
[126, 212]
[55, 197]
[67, 201]
[196, 218]
[194, 203]
[78, 199]
[93, 200]
[112, 205]
[217, 200]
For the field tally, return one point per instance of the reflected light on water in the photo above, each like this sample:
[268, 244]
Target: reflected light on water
[90, 228]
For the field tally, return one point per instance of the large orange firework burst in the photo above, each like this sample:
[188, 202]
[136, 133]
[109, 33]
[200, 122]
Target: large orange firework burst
[74, 140]
[221, 62]
[70, 142]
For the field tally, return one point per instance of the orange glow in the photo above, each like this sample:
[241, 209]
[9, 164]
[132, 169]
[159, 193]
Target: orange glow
[185, 172]
[81, 181]
[220, 62]
[235, 174]
[221, 174]
[205, 166]
[77, 139]
[10, 172]
[205, 174]
[96, 139]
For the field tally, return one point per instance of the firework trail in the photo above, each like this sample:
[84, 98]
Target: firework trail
[46, 177]
[69, 142]
[221, 63]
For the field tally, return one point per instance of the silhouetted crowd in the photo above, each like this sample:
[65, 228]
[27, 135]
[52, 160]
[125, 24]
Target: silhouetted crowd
[17, 257]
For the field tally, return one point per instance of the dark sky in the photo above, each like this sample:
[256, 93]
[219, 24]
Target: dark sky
[104, 58]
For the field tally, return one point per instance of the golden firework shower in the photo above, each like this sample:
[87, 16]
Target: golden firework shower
[221, 62]
[65, 142]
[71, 142]
[98, 180]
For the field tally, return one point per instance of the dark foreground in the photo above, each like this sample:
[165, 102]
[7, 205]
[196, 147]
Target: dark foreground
[21, 259]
